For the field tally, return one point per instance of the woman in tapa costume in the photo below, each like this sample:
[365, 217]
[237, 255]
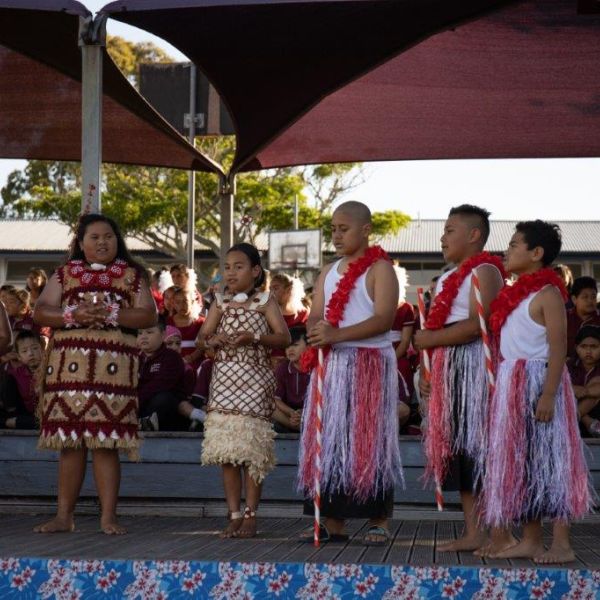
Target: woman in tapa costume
[94, 303]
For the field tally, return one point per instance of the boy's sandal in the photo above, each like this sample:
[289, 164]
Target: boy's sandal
[376, 531]
[308, 537]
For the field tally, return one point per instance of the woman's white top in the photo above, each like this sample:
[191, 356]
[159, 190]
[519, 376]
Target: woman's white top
[521, 336]
[360, 307]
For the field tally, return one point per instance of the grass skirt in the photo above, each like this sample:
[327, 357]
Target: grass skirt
[239, 440]
[360, 454]
[457, 414]
[533, 470]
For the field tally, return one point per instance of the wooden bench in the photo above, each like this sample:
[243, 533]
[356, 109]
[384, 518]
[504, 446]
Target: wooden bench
[170, 469]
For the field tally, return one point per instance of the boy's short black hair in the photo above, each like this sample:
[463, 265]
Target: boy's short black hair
[26, 334]
[587, 331]
[479, 217]
[544, 235]
[583, 283]
[297, 333]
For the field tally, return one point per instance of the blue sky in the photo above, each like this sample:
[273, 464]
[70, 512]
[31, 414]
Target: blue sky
[510, 189]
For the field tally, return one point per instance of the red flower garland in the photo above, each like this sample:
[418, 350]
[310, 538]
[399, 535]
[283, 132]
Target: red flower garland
[511, 296]
[442, 303]
[334, 312]
[89, 277]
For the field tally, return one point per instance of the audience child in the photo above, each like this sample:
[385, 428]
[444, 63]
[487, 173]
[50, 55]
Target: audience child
[201, 392]
[353, 310]
[584, 312]
[535, 467]
[458, 393]
[585, 377]
[168, 305]
[189, 325]
[36, 281]
[19, 394]
[161, 381]
[186, 279]
[402, 331]
[21, 316]
[292, 384]
[242, 327]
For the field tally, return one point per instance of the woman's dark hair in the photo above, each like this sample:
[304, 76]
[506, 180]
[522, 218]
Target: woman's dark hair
[76, 253]
[253, 256]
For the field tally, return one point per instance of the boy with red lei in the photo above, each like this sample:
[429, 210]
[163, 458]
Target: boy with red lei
[457, 395]
[535, 466]
[353, 310]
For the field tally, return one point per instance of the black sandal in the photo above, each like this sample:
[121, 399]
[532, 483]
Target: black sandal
[378, 531]
[308, 537]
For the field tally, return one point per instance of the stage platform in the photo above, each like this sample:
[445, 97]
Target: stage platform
[182, 557]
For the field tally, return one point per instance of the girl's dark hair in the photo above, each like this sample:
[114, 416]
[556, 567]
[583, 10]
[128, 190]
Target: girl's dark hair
[76, 253]
[253, 256]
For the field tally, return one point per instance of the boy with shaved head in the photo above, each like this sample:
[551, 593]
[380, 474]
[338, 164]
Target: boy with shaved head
[458, 393]
[353, 310]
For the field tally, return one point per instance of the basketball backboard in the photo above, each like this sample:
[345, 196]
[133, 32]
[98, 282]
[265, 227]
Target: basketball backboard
[295, 250]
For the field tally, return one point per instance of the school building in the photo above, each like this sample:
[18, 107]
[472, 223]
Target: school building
[42, 243]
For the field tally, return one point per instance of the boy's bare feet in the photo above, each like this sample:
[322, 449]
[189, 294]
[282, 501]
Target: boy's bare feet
[56, 525]
[466, 543]
[499, 541]
[557, 554]
[526, 548]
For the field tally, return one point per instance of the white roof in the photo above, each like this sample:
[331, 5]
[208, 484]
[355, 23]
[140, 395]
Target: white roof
[419, 237]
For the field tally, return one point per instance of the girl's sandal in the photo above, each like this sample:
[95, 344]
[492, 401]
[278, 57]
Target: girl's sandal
[248, 526]
[235, 522]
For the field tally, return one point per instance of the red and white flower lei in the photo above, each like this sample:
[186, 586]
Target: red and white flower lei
[442, 303]
[89, 277]
[511, 296]
[334, 312]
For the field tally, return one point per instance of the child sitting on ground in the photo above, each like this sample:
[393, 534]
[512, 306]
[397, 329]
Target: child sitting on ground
[291, 385]
[585, 377]
[18, 394]
[584, 311]
[161, 380]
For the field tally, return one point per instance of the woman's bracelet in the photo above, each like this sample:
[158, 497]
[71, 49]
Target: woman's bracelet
[69, 317]
[113, 315]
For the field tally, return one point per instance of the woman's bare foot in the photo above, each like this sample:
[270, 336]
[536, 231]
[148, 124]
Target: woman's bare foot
[524, 549]
[555, 555]
[466, 543]
[56, 525]
[112, 527]
[232, 527]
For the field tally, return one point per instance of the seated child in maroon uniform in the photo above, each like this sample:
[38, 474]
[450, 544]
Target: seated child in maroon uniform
[585, 377]
[584, 311]
[291, 385]
[161, 381]
[18, 394]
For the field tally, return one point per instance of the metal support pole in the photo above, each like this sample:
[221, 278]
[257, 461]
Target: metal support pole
[191, 213]
[227, 196]
[92, 38]
[296, 213]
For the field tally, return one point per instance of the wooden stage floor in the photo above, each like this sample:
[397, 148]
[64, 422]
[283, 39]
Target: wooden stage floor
[415, 542]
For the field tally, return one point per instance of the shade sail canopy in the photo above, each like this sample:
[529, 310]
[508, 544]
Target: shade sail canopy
[40, 95]
[314, 81]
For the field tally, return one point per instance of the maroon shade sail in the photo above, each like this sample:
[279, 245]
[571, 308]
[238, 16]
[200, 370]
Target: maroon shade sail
[315, 81]
[40, 95]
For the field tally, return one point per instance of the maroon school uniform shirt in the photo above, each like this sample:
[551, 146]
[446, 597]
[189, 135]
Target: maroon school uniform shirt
[405, 317]
[163, 371]
[581, 376]
[25, 384]
[291, 384]
[574, 324]
[27, 324]
[189, 333]
[203, 378]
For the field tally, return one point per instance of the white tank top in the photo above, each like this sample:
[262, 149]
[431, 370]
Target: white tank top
[521, 336]
[359, 308]
[461, 305]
